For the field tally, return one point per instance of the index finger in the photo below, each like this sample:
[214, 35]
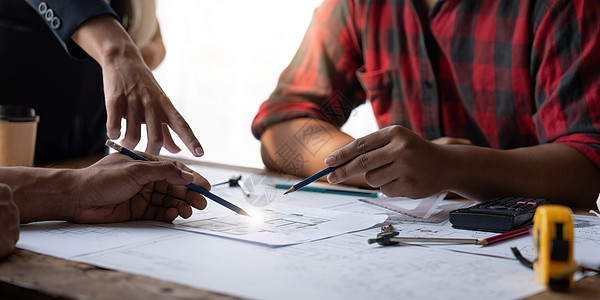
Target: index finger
[355, 148]
[184, 131]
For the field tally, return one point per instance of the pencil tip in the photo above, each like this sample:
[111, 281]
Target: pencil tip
[289, 191]
[243, 212]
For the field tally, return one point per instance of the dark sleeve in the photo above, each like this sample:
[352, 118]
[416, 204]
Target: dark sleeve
[64, 18]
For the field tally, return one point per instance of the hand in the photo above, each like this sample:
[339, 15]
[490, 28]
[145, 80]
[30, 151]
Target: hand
[9, 221]
[130, 89]
[118, 188]
[396, 160]
[132, 92]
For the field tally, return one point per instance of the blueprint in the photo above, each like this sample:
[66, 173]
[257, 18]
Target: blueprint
[278, 225]
[341, 267]
[321, 250]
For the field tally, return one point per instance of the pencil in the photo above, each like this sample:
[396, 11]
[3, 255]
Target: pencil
[310, 180]
[505, 236]
[191, 186]
[428, 240]
[330, 191]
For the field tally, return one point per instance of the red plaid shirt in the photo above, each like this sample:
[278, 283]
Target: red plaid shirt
[503, 74]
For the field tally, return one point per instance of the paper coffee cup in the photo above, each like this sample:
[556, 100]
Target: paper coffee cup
[18, 129]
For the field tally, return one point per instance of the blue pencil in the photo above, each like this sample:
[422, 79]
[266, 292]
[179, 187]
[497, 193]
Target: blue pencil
[310, 180]
[191, 186]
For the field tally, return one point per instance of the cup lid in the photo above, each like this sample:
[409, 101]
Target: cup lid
[17, 113]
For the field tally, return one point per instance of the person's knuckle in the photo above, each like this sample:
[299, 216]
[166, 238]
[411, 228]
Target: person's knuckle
[179, 119]
[343, 172]
[399, 150]
[342, 154]
[5, 191]
[167, 164]
[360, 144]
[395, 130]
[363, 162]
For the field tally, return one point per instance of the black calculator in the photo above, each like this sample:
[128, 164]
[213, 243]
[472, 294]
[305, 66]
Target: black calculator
[497, 215]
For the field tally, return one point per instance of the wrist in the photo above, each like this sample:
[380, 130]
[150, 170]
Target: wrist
[461, 172]
[115, 53]
[105, 39]
[479, 173]
[44, 194]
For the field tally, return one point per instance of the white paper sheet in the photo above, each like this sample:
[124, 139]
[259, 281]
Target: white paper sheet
[342, 267]
[64, 240]
[278, 225]
[339, 267]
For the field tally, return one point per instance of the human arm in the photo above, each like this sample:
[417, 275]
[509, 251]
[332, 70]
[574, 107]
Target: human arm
[565, 111]
[140, 21]
[154, 51]
[300, 122]
[282, 150]
[9, 221]
[403, 164]
[131, 92]
[115, 189]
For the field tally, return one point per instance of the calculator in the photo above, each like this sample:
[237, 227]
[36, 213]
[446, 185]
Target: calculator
[497, 215]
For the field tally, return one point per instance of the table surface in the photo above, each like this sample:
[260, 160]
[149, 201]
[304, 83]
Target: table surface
[26, 274]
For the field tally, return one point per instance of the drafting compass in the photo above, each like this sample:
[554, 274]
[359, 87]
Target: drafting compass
[235, 181]
[389, 236]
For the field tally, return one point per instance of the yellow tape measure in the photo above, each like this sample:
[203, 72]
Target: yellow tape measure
[553, 240]
[552, 231]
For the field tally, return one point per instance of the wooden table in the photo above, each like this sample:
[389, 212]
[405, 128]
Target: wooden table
[30, 275]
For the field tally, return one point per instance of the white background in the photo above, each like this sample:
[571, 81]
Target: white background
[223, 60]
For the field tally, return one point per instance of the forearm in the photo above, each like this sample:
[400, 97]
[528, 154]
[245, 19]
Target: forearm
[555, 172]
[41, 194]
[154, 52]
[104, 39]
[298, 147]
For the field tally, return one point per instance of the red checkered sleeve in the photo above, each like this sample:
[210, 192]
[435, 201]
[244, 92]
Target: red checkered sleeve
[319, 82]
[566, 57]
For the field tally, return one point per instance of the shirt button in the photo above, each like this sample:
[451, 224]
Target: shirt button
[55, 23]
[42, 8]
[49, 15]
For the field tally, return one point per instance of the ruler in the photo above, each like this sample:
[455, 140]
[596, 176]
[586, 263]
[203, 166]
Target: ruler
[428, 210]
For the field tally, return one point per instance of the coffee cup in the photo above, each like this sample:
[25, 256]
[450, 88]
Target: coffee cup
[18, 129]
